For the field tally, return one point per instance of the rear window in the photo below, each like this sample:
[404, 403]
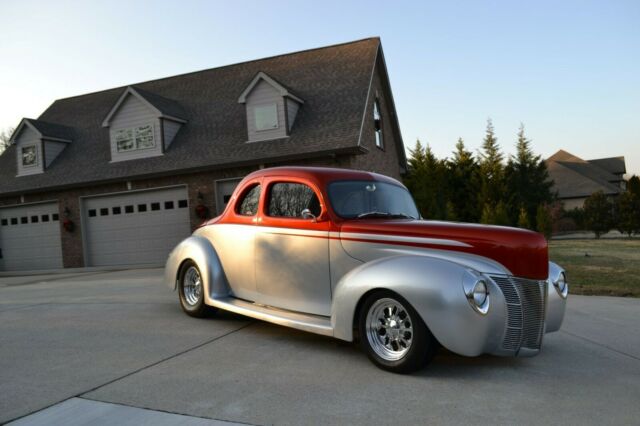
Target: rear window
[248, 206]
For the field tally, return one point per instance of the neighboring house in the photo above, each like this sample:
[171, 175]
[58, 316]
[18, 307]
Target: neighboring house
[133, 169]
[575, 179]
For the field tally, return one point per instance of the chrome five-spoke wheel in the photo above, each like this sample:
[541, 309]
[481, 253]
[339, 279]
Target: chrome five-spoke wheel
[389, 329]
[192, 291]
[192, 286]
[393, 334]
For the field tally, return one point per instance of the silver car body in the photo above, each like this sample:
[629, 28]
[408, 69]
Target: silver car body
[314, 281]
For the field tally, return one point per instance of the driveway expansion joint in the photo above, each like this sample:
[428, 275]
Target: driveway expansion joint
[601, 345]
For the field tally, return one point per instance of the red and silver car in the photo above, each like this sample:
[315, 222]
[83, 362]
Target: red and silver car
[345, 253]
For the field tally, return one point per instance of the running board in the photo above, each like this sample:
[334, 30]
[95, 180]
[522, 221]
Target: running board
[311, 323]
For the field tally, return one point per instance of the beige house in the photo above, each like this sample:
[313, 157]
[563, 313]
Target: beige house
[576, 179]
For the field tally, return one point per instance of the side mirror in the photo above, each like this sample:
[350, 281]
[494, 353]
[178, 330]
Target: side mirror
[306, 214]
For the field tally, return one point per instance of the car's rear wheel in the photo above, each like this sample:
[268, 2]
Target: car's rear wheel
[191, 289]
[393, 334]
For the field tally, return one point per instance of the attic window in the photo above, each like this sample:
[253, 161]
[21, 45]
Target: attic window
[266, 117]
[377, 121]
[29, 156]
[135, 138]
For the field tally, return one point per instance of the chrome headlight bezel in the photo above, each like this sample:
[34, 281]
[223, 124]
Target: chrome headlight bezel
[561, 285]
[476, 290]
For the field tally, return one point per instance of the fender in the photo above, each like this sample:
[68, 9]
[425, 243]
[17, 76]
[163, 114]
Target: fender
[434, 287]
[202, 252]
[556, 305]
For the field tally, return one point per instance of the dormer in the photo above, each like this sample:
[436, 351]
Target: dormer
[271, 108]
[38, 143]
[142, 124]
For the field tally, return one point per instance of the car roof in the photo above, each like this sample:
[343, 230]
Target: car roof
[322, 175]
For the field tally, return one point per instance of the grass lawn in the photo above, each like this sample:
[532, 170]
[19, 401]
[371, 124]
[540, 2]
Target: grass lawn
[599, 267]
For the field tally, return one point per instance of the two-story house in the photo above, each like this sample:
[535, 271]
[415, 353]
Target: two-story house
[118, 177]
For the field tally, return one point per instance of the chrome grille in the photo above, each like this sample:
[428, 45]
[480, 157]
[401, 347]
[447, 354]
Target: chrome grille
[526, 301]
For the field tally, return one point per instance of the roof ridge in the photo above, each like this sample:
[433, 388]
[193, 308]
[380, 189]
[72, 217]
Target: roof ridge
[221, 67]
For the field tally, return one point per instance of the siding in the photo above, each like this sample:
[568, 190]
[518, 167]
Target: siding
[292, 110]
[170, 130]
[52, 150]
[264, 94]
[29, 137]
[134, 113]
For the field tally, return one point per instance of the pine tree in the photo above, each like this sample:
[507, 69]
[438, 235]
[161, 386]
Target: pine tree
[464, 184]
[425, 180]
[527, 179]
[627, 217]
[523, 219]
[491, 169]
[488, 216]
[544, 221]
[633, 185]
[597, 213]
[502, 215]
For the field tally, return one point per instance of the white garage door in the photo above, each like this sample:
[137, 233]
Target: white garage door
[30, 237]
[135, 228]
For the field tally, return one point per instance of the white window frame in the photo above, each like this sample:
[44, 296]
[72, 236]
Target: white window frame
[35, 159]
[273, 107]
[377, 116]
[134, 137]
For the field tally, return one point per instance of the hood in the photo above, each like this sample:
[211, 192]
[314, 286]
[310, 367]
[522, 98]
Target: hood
[522, 252]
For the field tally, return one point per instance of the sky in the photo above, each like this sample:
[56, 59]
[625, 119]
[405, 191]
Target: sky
[569, 71]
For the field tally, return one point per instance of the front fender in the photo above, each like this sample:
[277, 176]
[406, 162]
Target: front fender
[434, 287]
[556, 304]
[202, 252]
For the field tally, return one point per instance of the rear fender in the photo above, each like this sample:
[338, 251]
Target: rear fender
[202, 252]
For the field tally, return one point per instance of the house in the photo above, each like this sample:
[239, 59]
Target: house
[576, 179]
[118, 177]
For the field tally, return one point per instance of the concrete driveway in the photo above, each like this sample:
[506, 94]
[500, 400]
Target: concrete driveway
[100, 346]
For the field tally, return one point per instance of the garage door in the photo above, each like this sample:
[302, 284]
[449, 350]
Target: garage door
[30, 237]
[224, 191]
[135, 228]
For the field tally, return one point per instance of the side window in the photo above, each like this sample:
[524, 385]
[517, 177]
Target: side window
[249, 204]
[377, 122]
[290, 199]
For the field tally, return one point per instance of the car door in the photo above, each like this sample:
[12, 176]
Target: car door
[292, 251]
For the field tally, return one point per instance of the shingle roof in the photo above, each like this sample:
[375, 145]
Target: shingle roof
[48, 130]
[574, 177]
[333, 81]
[165, 106]
[615, 165]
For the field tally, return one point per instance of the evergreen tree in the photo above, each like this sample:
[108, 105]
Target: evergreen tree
[502, 215]
[425, 180]
[597, 213]
[464, 184]
[544, 221]
[488, 216]
[627, 217]
[633, 185]
[523, 219]
[491, 169]
[451, 212]
[527, 179]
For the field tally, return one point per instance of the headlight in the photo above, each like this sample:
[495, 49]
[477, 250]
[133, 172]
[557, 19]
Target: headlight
[561, 285]
[477, 292]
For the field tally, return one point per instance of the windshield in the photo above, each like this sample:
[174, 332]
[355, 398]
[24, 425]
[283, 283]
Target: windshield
[366, 199]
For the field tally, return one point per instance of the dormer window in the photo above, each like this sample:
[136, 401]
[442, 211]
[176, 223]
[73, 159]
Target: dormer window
[377, 122]
[266, 117]
[38, 144]
[271, 109]
[29, 156]
[142, 124]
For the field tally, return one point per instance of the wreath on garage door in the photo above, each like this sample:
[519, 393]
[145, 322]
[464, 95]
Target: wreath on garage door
[68, 225]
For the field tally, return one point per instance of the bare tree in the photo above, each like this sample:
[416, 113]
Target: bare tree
[5, 135]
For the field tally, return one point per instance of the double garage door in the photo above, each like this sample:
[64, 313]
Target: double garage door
[30, 237]
[135, 228]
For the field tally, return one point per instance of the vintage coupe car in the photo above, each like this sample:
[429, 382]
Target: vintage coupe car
[345, 253]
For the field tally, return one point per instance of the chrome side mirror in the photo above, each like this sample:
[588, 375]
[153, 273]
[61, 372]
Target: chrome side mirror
[306, 214]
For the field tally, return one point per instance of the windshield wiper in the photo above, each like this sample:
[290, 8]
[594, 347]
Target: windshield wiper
[384, 214]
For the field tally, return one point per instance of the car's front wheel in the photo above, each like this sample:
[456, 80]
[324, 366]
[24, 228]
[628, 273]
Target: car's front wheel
[191, 289]
[393, 335]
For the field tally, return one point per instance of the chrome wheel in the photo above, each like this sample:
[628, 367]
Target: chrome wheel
[389, 329]
[192, 286]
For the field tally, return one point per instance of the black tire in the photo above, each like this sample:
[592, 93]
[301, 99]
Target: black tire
[413, 357]
[192, 304]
